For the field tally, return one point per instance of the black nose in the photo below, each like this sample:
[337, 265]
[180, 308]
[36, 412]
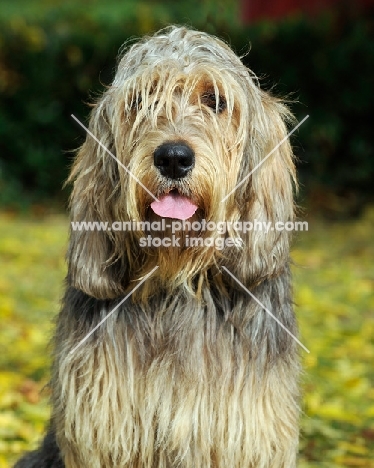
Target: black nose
[174, 160]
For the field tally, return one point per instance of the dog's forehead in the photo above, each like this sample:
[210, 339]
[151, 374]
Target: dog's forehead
[182, 48]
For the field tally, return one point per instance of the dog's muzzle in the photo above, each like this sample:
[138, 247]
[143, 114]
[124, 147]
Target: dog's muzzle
[174, 159]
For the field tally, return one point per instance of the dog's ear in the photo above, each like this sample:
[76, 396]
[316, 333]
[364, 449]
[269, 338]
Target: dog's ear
[266, 198]
[93, 264]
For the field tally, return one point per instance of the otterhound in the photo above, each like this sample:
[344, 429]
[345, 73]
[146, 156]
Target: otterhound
[190, 370]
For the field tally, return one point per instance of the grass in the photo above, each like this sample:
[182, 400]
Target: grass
[333, 276]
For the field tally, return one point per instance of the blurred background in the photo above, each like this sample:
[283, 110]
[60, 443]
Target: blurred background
[57, 55]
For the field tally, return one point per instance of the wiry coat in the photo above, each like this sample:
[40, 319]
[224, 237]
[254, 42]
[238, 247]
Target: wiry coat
[190, 371]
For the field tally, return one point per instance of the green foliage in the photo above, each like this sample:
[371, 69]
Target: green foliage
[333, 275]
[56, 56]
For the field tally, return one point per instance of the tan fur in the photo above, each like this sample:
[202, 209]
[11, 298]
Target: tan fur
[184, 379]
[226, 148]
[202, 405]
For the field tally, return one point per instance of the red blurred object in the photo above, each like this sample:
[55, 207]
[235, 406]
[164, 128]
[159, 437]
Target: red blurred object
[253, 10]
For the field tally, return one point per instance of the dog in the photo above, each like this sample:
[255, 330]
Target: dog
[164, 353]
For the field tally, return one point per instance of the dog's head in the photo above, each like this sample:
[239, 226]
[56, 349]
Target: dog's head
[188, 121]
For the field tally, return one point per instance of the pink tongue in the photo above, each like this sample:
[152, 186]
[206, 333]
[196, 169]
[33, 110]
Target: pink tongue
[173, 205]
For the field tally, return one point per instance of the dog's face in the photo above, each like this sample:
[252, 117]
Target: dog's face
[182, 129]
[186, 118]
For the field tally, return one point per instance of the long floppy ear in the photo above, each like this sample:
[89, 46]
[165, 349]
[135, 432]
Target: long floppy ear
[266, 198]
[93, 264]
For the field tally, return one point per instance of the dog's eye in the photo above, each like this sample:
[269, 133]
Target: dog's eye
[210, 100]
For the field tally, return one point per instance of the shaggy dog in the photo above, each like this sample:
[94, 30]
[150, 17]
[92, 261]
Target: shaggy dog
[165, 354]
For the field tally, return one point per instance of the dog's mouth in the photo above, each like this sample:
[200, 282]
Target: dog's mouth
[174, 205]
